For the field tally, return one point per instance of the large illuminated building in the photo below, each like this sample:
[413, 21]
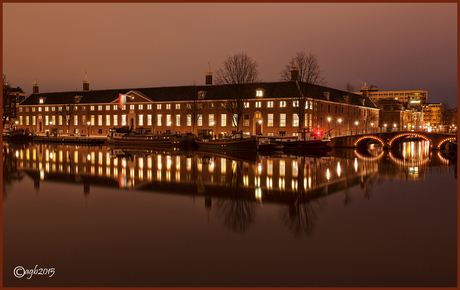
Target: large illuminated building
[269, 109]
[410, 98]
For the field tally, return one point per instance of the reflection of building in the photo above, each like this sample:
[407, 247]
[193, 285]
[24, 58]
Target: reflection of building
[268, 179]
[269, 106]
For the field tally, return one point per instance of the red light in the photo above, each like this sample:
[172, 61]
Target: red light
[318, 133]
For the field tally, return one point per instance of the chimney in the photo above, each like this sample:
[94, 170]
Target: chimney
[35, 87]
[294, 72]
[209, 75]
[86, 83]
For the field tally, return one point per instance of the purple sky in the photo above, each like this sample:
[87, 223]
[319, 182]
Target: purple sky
[394, 46]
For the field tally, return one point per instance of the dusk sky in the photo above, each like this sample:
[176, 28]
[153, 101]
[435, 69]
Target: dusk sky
[393, 46]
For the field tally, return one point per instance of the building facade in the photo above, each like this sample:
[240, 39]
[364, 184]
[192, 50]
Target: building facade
[410, 98]
[268, 110]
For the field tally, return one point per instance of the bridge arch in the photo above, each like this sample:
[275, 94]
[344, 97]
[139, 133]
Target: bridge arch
[444, 141]
[409, 134]
[369, 137]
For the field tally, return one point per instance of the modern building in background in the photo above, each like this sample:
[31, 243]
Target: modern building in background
[410, 98]
[269, 110]
[11, 99]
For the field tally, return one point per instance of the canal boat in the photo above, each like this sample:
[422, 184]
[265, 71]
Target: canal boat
[267, 144]
[118, 137]
[306, 140]
[228, 144]
[18, 135]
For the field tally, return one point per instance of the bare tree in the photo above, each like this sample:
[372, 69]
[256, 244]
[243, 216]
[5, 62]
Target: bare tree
[194, 107]
[238, 71]
[446, 114]
[309, 75]
[67, 112]
[351, 112]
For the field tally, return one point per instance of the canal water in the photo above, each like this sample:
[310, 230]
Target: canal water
[99, 216]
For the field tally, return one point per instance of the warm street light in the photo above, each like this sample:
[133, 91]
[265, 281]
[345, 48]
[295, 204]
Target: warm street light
[328, 124]
[340, 122]
[356, 123]
[88, 123]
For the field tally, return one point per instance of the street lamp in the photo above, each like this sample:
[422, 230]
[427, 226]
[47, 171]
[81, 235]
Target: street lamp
[394, 125]
[88, 123]
[385, 125]
[372, 125]
[340, 122]
[16, 125]
[356, 123]
[328, 124]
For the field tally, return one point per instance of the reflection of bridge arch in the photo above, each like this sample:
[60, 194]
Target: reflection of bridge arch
[367, 158]
[444, 141]
[403, 135]
[408, 163]
[369, 137]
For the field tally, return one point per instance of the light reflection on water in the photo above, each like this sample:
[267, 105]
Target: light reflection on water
[244, 195]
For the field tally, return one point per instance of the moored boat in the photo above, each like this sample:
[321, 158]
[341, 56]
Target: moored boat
[230, 144]
[18, 135]
[307, 140]
[155, 140]
[267, 144]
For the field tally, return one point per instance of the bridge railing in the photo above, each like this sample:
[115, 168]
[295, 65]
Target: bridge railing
[339, 133]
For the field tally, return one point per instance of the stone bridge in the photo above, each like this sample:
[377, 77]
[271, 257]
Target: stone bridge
[392, 139]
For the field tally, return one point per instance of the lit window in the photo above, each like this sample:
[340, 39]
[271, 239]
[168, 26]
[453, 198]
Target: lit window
[91, 108]
[99, 120]
[295, 120]
[107, 108]
[282, 104]
[123, 107]
[168, 120]
[282, 120]
[115, 120]
[33, 109]
[246, 104]
[270, 104]
[177, 120]
[159, 120]
[47, 109]
[149, 120]
[131, 107]
[211, 119]
[223, 118]
[123, 120]
[20, 120]
[107, 120]
[270, 120]
[259, 93]
[168, 106]
[115, 107]
[141, 120]
[200, 120]
[149, 106]
[41, 101]
[211, 105]
[39, 109]
[75, 120]
[177, 106]
[295, 104]
[158, 106]
[189, 120]
[47, 120]
[99, 108]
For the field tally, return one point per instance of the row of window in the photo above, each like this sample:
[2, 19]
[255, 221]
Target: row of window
[258, 104]
[113, 120]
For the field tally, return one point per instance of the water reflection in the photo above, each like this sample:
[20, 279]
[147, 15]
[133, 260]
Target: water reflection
[233, 187]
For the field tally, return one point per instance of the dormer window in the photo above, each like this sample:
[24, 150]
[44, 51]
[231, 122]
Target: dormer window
[41, 100]
[259, 93]
[201, 95]
[78, 98]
